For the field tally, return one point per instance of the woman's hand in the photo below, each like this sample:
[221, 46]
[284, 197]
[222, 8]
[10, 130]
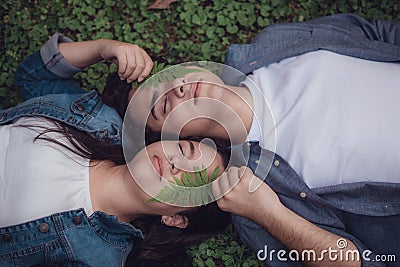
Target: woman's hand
[133, 62]
[232, 193]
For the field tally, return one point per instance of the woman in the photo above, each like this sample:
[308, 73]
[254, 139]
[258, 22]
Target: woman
[76, 204]
[50, 168]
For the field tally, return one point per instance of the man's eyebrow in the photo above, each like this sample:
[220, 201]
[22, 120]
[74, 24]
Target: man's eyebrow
[153, 102]
[191, 147]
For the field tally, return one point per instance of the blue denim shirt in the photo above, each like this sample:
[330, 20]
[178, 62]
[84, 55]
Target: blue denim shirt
[328, 207]
[70, 238]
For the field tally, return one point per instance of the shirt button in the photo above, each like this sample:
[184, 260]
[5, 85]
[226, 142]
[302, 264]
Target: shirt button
[257, 161]
[44, 227]
[303, 195]
[276, 163]
[80, 108]
[77, 220]
[6, 238]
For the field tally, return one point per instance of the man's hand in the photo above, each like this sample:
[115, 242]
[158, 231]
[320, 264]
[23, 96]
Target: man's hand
[231, 190]
[263, 206]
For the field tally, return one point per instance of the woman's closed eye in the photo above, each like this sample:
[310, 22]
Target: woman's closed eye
[165, 105]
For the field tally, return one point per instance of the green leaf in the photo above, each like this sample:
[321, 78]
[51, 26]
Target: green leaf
[209, 263]
[187, 179]
[168, 75]
[214, 174]
[204, 175]
[177, 181]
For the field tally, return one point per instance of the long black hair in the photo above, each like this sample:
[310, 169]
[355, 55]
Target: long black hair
[162, 245]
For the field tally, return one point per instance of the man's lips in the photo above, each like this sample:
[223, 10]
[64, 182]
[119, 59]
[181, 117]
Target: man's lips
[158, 165]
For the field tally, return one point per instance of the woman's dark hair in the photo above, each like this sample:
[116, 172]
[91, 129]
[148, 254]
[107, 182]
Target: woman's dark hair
[166, 246]
[163, 245]
[115, 93]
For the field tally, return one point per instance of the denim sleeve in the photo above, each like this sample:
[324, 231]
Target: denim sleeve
[350, 24]
[275, 254]
[377, 30]
[47, 72]
[345, 34]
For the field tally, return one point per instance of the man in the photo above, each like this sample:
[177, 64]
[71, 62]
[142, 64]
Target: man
[326, 130]
[353, 36]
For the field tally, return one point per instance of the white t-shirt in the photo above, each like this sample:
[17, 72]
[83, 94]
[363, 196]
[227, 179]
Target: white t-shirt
[39, 178]
[336, 117]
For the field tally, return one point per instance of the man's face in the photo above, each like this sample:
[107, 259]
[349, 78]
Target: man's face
[185, 105]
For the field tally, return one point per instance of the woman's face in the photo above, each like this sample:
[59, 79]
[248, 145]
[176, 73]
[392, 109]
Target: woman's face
[160, 162]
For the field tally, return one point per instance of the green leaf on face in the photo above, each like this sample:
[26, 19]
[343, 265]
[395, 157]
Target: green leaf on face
[204, 196]
[214, 174]
[189, 189]
[187, 180]
[197, 201]
[177, 181]
[204, 175]
[197, 176]
[168, 75]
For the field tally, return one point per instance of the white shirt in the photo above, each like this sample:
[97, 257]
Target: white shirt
[336, 117]
[38, 178]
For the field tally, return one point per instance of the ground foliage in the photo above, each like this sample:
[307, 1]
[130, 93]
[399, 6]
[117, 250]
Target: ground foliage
[187, 30]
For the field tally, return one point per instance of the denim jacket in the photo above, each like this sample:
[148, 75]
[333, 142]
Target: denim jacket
[328, 207]
[69, 238]
[45, 81]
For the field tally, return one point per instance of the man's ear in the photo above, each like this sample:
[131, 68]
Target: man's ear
[176, 220]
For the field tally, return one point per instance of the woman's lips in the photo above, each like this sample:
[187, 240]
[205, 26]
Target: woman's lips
[196, 91]
[158, 165]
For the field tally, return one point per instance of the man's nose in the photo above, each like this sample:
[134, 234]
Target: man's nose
[180, 91]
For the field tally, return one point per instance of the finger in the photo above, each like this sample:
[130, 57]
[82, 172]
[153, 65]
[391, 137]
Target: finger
[216, 190]
[139, 67]
[255, 183]
[234, 177]
[148, 63]
[224, 183]
[243, 171]
[131, 62]
[122, 64]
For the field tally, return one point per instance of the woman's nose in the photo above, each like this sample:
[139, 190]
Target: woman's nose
[174, 169]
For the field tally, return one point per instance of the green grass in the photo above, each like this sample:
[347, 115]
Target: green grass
[188, 30]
